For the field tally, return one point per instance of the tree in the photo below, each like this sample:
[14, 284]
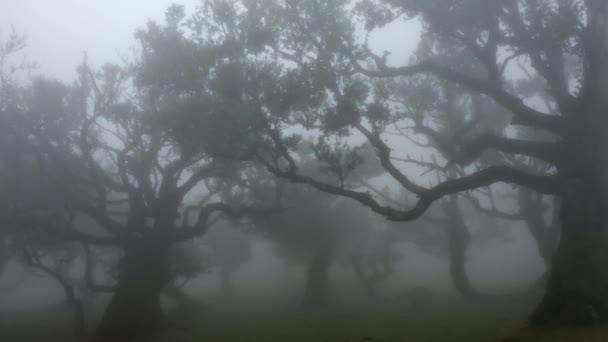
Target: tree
[373, 259]
[561, 44]
[56, 261]
[188, 260]
[229, 249]
[110, 153]
[315, 229]
[307, 232]
[28, 202]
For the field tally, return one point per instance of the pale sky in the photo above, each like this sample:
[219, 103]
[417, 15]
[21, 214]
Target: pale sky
[59, 31]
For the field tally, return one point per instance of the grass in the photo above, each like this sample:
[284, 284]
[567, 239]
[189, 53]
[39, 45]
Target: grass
[438, 324]
[485, 323]
[466, 324]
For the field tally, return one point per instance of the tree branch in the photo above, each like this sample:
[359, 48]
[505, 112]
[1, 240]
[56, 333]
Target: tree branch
[485, 177]
[524, 115]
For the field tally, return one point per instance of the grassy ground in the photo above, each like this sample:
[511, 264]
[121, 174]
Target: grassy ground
[467, 324]
[449, 323]
[332, 327]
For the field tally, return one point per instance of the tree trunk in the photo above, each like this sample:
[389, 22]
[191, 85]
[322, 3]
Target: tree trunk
[74, 303]
[372, 269]
[367, 278]
[458, 241]
[546, 235]
[577, 286]
[79, 319]
[316, 293]
[458, 272]
[135, 309]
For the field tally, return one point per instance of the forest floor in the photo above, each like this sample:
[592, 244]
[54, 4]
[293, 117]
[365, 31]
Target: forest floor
[450, 323]
[471, 324]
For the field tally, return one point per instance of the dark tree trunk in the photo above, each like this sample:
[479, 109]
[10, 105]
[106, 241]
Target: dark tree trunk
[577, 286]
[458, 241]
[135, 310]
[316, 293]
[546, 235]
[79, 319]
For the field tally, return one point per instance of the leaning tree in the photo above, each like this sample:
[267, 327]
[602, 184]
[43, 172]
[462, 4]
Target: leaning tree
[327, 80]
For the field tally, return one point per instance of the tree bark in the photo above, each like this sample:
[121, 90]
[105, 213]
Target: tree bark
[458, 241]
[316, 293]
[134, 310]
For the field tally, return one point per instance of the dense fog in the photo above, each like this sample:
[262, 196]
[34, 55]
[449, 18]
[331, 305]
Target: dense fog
[260, 170]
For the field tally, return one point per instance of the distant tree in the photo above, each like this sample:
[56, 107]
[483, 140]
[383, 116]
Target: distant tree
[54, 259]
[373, 259]
[229, 248]
[315, 229]
[306, 232]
